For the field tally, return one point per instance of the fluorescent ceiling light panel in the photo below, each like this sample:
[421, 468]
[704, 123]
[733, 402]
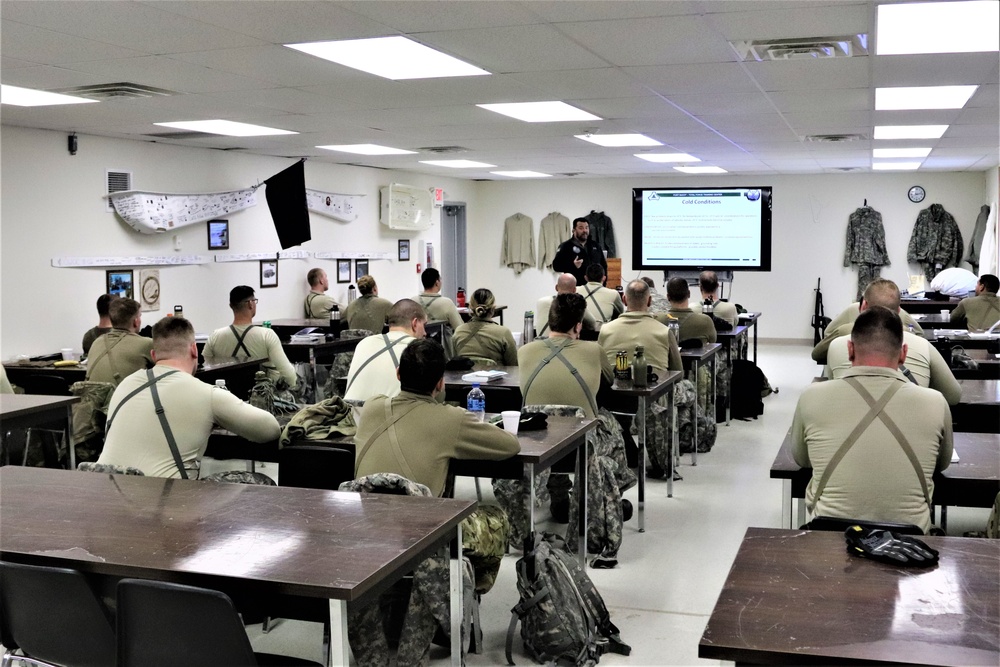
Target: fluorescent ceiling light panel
[895, 166]
[667, 157]
[522, 174]
[540, 112]
[900, 152]
[910, 131]
[702, 170]
[923, 97]
[227, 128]
[367, 149]
[26, 97]
[938, 27]
[390, 57]
[457, 164]
[617, 140]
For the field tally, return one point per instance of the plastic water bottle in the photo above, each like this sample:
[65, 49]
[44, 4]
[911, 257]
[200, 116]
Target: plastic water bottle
[476, 403]
[221, 384]
[529, 327]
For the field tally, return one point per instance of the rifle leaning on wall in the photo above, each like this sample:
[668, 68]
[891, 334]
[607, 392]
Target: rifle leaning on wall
[819, 320]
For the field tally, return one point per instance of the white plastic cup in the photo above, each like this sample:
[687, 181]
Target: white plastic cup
[67, 354]
[511, 419]
[946, 314]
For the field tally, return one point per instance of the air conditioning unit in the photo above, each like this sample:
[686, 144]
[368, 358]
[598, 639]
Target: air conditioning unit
[406, 207]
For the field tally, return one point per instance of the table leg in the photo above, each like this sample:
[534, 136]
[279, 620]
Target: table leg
[581, 471]
[755, 342]
[713, 388]
[672, 443]
[340, 648]
[70, 447]
[801, 512]
[312, 366]
[729, 366]
[694, 412]
[640, 430]
[786, 504]
[455, 569]
[944, 518]
[529, 539]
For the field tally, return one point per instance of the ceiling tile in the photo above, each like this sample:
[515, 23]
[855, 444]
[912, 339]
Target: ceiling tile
[652, 41]
[811, 74]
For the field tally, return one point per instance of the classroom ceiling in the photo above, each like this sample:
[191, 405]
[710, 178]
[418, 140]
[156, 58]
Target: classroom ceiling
[663, 69]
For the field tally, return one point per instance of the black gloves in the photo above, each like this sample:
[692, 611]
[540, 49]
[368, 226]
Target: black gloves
[887, 547]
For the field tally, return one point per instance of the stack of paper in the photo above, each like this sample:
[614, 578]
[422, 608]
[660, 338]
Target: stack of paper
[483, 376]
[308, 338]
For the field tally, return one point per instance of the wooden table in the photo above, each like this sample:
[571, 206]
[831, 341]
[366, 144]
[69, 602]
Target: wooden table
[22, 411]
[989, 366]
[466, 313]
[978, 411]
[345, 547]
[502, 394]
[973, 481]
[922, 305]
[797, 597]
[945, 339]
[693, 359]
[313, 353]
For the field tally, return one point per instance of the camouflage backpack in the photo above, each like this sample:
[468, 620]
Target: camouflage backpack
[687, 407]
[562, 615]
[484, 541]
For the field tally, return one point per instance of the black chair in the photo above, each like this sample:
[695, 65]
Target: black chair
[45, 384]
[54, 617]
[315, 466]
[837, 524]
[162, 624]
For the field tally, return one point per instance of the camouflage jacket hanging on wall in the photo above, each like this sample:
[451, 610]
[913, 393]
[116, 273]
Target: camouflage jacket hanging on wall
[936, 240]
[865, 238]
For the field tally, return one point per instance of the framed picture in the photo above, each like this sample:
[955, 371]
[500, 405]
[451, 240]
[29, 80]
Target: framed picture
[343, 270]
[119, 282]
[268, 273]
[404, 250]
[149, 289]
[360, 268]
[218, 235]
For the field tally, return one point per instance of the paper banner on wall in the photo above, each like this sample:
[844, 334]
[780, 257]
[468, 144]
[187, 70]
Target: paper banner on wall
[149, 289]
[153, 212]
[339, 207]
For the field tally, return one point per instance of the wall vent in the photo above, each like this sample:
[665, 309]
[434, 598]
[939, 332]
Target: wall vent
[845, 46]
[118, 90]
[117, 180]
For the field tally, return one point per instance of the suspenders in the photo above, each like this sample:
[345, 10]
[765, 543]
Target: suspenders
[111, 359]
[556, 352]
[164, 424]
[390, 425]
[389, 347]
[876, 411]
[240, 337]
[309, 304]
[590, 295]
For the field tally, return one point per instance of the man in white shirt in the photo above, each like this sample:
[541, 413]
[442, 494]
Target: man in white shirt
[245, 340]
[565, 284]
[376, 358]
[603, 304]
[152, 408]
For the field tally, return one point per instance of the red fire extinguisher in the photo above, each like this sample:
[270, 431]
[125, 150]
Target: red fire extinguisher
[460, 297]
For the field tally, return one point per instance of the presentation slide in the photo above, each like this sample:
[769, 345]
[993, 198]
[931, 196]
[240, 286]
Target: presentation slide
[702, 228]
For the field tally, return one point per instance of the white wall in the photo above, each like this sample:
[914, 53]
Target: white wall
[52, 206]
[809, 226]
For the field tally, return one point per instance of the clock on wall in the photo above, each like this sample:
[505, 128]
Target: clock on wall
[916, 194]
[149, 289]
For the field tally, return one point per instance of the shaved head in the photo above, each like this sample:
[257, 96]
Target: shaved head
[566, 284]
[637, 296]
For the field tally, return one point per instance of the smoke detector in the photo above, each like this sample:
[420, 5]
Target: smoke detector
[800, 48]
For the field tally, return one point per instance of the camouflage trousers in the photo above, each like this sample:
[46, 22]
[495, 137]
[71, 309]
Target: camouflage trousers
[658, 432]
[687, 408]
[510, 495]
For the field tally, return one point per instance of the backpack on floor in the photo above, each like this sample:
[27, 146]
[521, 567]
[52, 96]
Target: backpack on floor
[688, 407]
[562, 615]
[748, 387]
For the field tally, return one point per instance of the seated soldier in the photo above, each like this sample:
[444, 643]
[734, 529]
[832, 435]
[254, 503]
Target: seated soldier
[439, 308]
[637, 326]
[873, 439]
[841, 326]
[924, 364]
[317, 303]
[483, 338]
[245, 340]
[122, 351]
[103, 325]
[658, 303]
[603, 304]
[376, 358]
[708, 282]
[369, 310]
[982, 311]
[565, 284]
[415, 436]
[159, 419]
[693, 326]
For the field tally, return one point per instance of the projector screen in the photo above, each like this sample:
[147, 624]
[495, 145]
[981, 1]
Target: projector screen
[702, 228]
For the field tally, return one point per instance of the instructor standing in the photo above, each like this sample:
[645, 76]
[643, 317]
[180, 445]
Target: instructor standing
[579, 252]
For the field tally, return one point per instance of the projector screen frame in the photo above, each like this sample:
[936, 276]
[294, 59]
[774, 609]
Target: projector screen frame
[764, 265]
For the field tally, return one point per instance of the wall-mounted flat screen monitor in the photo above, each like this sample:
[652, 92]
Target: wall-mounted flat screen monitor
[721, 228]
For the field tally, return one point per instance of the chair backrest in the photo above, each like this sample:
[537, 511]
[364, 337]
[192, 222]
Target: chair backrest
[162, 624]
[837, 524]
[240, 477]
[388, 483]
[52, 614]
[556, 410]
[108, 468]
[315, 466]
[47, 385]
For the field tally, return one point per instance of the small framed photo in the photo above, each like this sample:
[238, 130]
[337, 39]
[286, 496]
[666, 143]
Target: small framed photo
[360, 269]
[218, 235]
[404, 250]
[119, 283]
[268, 273]
[343, 270]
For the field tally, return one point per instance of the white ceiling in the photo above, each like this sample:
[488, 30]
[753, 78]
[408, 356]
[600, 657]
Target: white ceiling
[664, 69]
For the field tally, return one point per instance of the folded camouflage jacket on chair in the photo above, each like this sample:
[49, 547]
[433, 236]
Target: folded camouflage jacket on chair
[321, 421]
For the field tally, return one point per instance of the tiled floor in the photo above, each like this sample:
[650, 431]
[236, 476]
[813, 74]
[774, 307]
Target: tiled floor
[665, 586]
